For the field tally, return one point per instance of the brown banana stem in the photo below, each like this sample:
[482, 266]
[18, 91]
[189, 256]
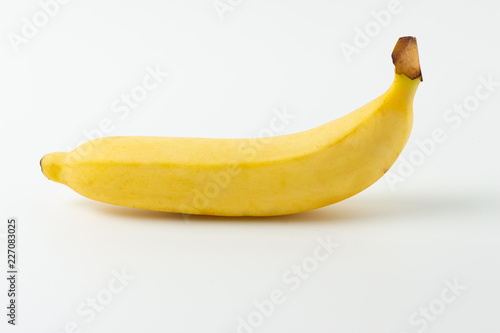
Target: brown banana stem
[405, 58]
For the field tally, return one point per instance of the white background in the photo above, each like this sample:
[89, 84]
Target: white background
[399, 244]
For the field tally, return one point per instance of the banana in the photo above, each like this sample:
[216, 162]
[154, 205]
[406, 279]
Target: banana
[250, 177]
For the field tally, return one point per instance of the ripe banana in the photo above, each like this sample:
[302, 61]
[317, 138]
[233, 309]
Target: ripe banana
[250, 177]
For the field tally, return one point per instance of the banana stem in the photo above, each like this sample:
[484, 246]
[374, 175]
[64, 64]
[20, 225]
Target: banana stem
[405, 58]
[404, 88]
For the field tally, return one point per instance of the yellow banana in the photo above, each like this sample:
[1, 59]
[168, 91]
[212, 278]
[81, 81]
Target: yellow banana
[278, 175]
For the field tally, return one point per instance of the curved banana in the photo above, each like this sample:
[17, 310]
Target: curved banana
[250, 177]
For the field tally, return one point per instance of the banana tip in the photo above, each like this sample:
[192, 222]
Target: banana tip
[52, 165]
